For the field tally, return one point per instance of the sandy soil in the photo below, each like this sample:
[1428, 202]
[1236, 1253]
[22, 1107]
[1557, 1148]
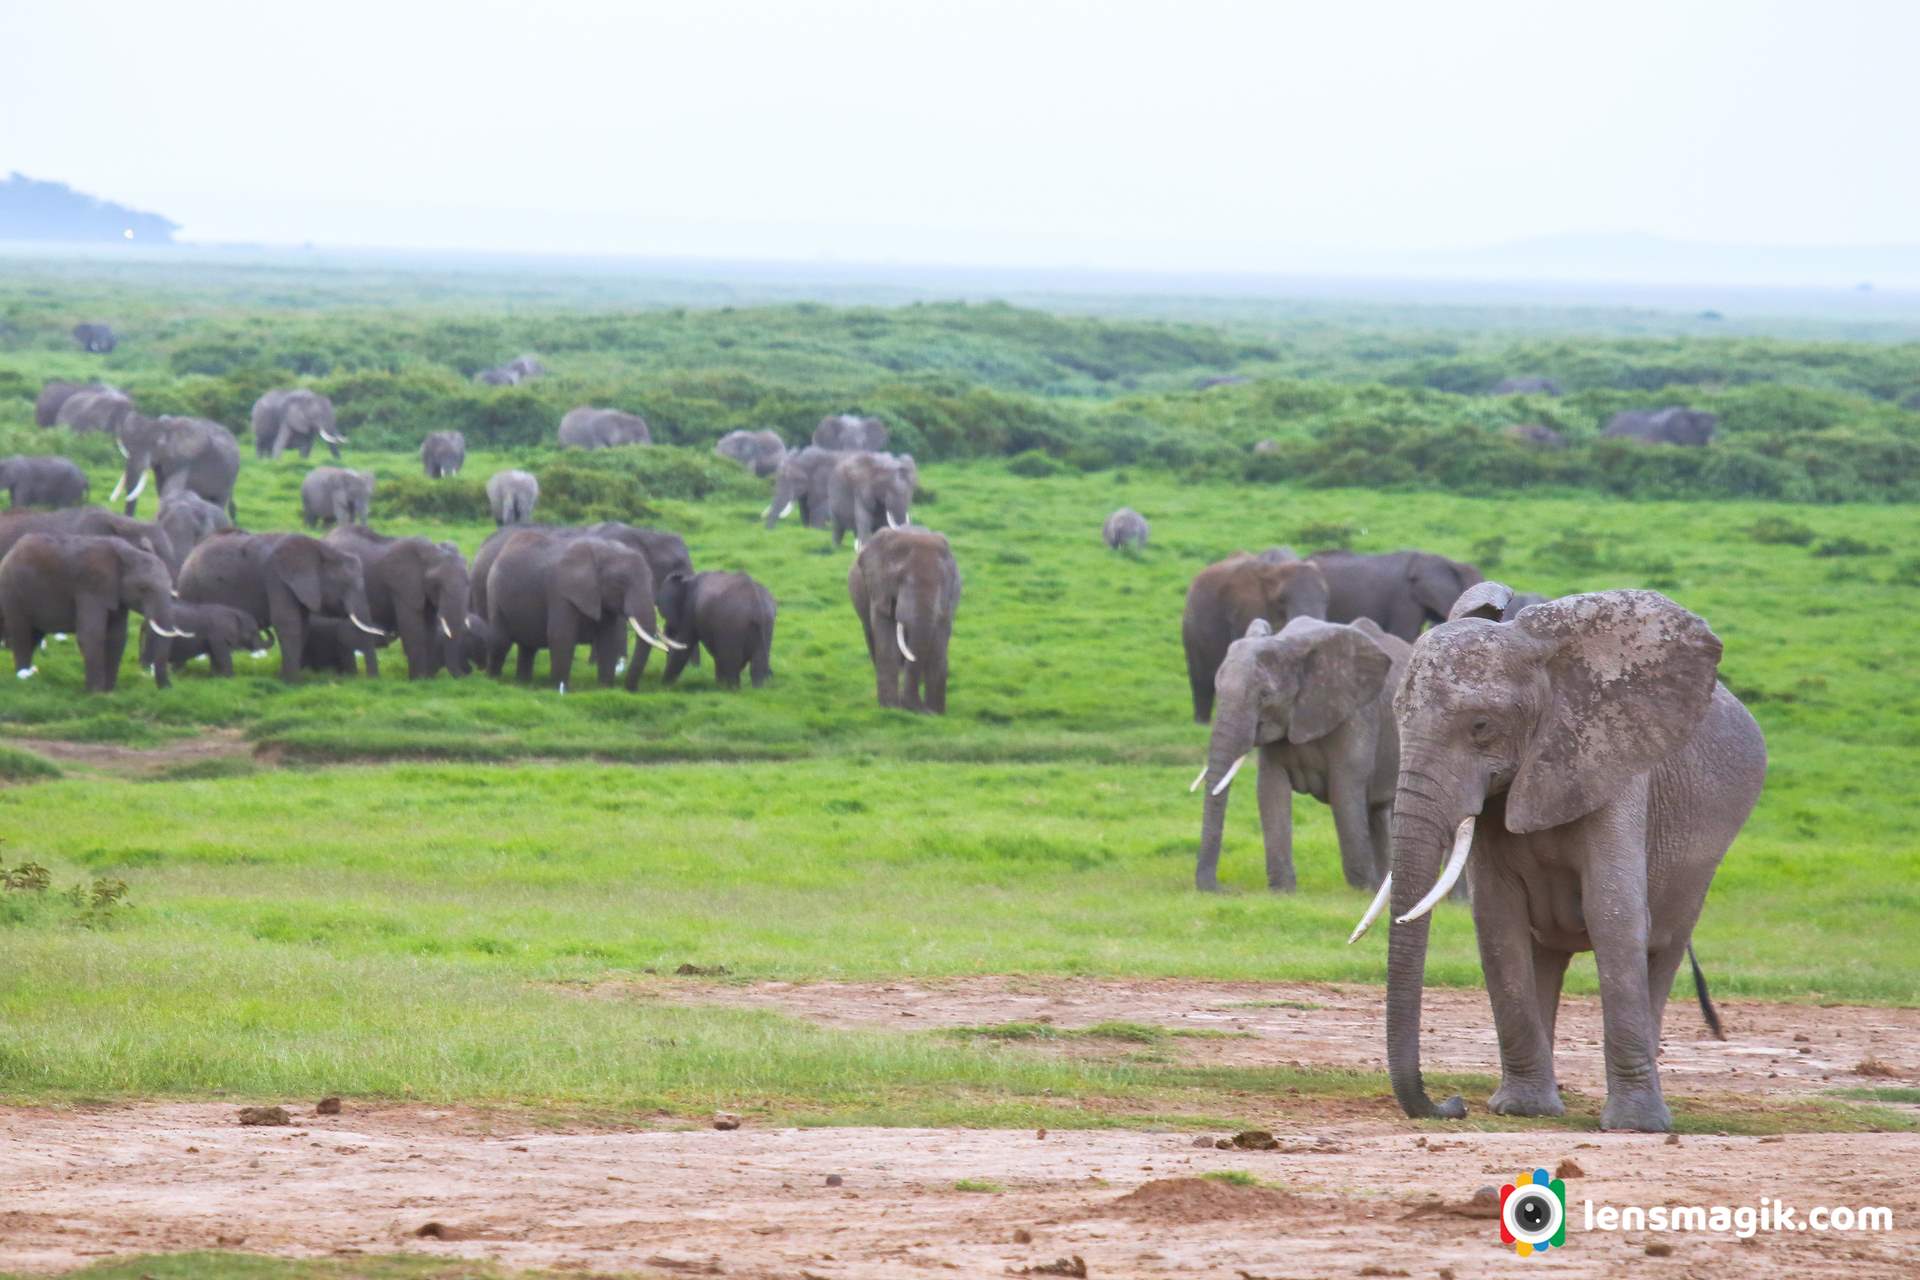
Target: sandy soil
[137, 762]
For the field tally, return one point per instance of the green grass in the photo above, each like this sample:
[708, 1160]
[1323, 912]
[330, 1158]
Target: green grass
[979, 1185]
[24, 766]
[1235, 1178]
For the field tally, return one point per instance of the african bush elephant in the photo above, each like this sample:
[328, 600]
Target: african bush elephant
[443, 453]
[94, 409]
[283, 579]
[473, 646]
[512, 495]
[212, 631]
[1589, 772]
[869, 491]
[83, 586]
[1400, 590]
[760, 452]
[1125, 528]
[335, 495]
[905, 586]
[87, 521]
[46, 407]
[189, 455]
[802, 482]
[189, 520]
[334, 645]
[850, 433]
[293, 418]
[417, 589]
[666, 552]
[499, 376]
[42, 482]
[1692, 427]
[730, 614]
[95, 339]
[1226, 597]
[547, 591]
[525, 367]
[1316, 700]
[586, 428]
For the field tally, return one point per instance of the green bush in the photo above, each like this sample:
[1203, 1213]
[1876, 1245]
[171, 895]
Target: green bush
[1033, 463]
[454, 498]
[1780, 529]
[1845, 546]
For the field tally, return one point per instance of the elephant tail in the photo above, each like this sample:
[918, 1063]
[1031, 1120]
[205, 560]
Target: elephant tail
[1707, 1011]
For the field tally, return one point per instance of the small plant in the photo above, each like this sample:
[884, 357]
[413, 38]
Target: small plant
[99, 903]
[1232, 1177]
[28, 877]
[980, 1185]
[1332, 535]
[1034, 465]
[1845, 546]
[1779, 529]
[1487, 551]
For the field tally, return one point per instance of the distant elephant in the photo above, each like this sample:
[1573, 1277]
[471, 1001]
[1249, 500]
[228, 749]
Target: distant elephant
[42, 482]
[335, 645]
[666, 552]
[443, 453]
[1400, 590]
[1225, 598]
[1316, 700]
[585, 428]
[1125, 528]
[46, 408]
[1537, 434]
[293, 418]
[96, 339]
[417, 589]
[283, 579]
[1220, 380]
[336, 496]
[906, 587]
[869, 491]
[802, 482]
[730, 614]
[94, 409]
[546, 591]
[1691, 427]
[1589, 772]
[760, 452]
[849, 432]
[1526, 386]
[525, 367]
[213, 631]
[83, 586]
[497, 377]
[89, 522]
[512, 495]
[189, 520]
[190, 455]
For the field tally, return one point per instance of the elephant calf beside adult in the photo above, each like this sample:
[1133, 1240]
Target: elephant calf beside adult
[905, 586]
[294, 418]
[84, 586]
[589, 428]
[666, 551]
[42, 482]
[211, 631]
[729, 614]
[443, 453]
[553, 592]
[284, 580]
[1224, 599]
[336, 496]
[869, 491]
[417, 589]
[1400, 590]
[183, 455]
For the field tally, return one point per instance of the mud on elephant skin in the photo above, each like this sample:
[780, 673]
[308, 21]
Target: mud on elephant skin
[214, 632]
[728, 614]
[546, 590]
[905, 587]
[285, 580]
[84, 586]
[1225, 598]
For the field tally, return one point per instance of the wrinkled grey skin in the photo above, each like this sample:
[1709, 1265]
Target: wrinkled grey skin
[216, 632]
[94, 409]
[1225, 598]
[666, 552]
[283, 579]
[336, 496]
[96, 339]
[586, 428]
[729, 614]
[1400, 590]
[83, 586]
[1125, 528]
[548, 591]
[1691, 427]
[417, 589]
[1607, 771]
[443, 453]
[91, 521]
[760, 452]
[189, 520]
[46, 408]
[801, 483]
[333, 646]
[1537, 434]
[294, 418]
[870, 491]
[42, 482]
[185, 455]
[512, 495]
[904, 583]
[1316, 700]
[1526, 386]
[850, 433]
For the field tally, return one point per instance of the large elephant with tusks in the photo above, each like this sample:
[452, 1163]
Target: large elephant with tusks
[294, 418]
[184, 455]
[905, 586]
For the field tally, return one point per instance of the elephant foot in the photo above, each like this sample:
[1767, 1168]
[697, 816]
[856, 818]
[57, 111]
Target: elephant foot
[1207, 884]
[1280, 886]
[1514, 1098]
[1640, 1112]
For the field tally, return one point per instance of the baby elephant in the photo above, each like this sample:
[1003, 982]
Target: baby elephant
[42, 482]
[443, 454]
[729, 613]
[216, 630]
[1125, 528]
[336, 496]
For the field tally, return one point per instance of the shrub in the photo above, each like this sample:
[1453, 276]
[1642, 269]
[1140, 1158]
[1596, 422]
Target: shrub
[1780, 529]
[1845, 546]
[455, 498]
[574, 494]
[1033, 464]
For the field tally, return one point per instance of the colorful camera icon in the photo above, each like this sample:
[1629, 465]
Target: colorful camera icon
[1533, 1213]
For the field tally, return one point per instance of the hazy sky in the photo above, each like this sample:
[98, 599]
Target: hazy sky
[1116, 133]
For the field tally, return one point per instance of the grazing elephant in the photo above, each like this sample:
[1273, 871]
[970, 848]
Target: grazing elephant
[1225, 598]
[285, 580]
[585, 428]
[666, 552]
[90, 522]
[94, 409]
[1316, 699]
[1400, 590]
[869, 491]
[905, 587]
[1692, 427]
[1125, 528]
[95, 339]
[760, 452]
[474, 646]
[83, 586]
[46, 408]
[499, 376]
[1526, 386]
[729, 613]
[1589, 772]
[293, 418]
[213, 631]
[42, 482]
[415, 588]
[190, 455]
[335, 495]
[802, 481]
[553, 592]
[512, 495]
[189, 520]
[850, 433]
[443, 454]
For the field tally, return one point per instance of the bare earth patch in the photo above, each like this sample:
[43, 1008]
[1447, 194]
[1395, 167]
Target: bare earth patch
[139, 762]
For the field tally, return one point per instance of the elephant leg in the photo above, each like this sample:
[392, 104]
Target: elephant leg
[563, 634]
[1347, 797]
[862, 523]
[1661, 966]
[727, 663]
[677, 661]
[762, 661]
[115, 649]
[607, 652]
[1275, 793]
[840, 531]
[1500, 923]
[372, 656]
[416, 642]
[1615, 906]
[159, 655]
[220, 658]
[523, 664]
[1380, 828]
[90, 635]
[886, 660]
[1549, 972]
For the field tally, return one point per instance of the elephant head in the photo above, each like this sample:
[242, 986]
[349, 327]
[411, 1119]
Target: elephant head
[602, 579]
[1226, 597]
[139, 438]
[1532, 724]
[1436, 582]
[676, 605]
[448, 590]
[145, 586]
[321, 579]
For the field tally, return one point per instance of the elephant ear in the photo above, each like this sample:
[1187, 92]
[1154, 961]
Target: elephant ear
[296, 562]
[578, 579]
[1488, 600]
[1343, 671]
[1630, 675]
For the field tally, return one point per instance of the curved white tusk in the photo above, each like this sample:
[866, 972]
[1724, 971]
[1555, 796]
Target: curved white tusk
[563, 686]
[1456, 863]
[642, 633]
[858, 547]
[122, 448]
[119, 487]
[139, 488]
[1374, 909]
[900, 638]
[26, 673]
[891, 522]
[767, 512]
[671, 642]
[1197, 781]
[330, 438]
[788, 509]
[372, 631]
[259, 653]
[446, 630]
[1222, 785]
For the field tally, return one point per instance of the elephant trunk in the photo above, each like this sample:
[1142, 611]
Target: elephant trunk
[1423, 827]
[1233, 738]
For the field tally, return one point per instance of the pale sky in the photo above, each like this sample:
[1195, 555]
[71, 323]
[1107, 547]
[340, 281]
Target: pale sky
[1190, 135]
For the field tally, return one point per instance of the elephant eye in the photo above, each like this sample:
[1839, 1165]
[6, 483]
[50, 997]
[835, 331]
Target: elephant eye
[1482, 728]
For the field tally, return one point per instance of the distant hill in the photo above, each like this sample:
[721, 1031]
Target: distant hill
[35, 210]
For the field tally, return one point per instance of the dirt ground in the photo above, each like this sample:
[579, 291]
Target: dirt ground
[137, 762]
